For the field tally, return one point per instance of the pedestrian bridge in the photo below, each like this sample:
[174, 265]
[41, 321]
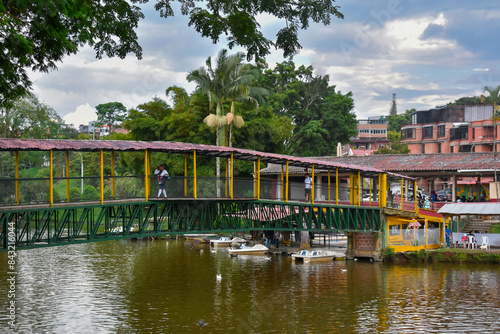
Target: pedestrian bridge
[29, 227]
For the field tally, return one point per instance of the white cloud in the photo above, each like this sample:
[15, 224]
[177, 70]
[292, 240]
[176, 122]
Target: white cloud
[82, 115]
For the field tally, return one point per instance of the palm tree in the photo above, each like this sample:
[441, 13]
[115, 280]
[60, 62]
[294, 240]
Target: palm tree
[494, 98]
[216, 81]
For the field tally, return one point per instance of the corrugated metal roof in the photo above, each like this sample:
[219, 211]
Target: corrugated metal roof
[180, 148]
[455, 209]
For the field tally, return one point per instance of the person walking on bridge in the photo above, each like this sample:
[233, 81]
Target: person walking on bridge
[163, 176]
[307, 187]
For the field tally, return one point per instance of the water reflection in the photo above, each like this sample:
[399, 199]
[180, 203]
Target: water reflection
[170, 286]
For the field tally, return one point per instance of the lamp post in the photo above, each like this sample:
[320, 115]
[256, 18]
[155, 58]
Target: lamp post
[81, 168]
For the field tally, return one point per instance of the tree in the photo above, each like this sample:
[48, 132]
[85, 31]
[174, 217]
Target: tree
[38, 34]
[322, 116]
[467, 101]
[110, 114]
[395, 122]
[27, 117]
[394, 106]
[146, 121]
[396, 146]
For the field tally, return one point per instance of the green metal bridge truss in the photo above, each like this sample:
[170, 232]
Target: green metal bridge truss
[29, 228]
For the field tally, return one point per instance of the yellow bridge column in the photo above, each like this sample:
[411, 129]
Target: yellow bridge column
[231, 177]
[51, 179]
[337, 186]
[102, 176]
[282, 185]
[360, 186]
[258, 178]
[329, 189]
[370, 193]
[351, 189]
[226, 185]
[286, 183]
[415, 194]
[113, 174]
[312, 185]
[195, 190]
[146, 176]
[383, 190]
[185, 175]
[67, 176]
[17, 177]
[402, 190]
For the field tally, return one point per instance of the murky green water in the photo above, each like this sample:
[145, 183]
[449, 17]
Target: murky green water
[168, 287]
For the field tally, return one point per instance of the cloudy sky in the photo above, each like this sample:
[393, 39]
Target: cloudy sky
[427, 52]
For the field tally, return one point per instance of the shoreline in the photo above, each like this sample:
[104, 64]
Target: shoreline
[449, 255]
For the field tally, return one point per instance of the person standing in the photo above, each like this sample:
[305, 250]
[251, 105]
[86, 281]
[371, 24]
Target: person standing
[162, 179]
[447, 234]
[269, 238]
[277, 239]
[307, 187]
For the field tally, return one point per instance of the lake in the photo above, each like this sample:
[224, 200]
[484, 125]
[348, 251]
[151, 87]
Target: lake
[171, 286]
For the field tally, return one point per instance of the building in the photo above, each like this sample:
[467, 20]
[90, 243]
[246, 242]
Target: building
[372, 135]
[451, 129]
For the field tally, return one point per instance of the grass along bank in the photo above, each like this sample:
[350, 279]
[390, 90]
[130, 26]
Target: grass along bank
[453, 255]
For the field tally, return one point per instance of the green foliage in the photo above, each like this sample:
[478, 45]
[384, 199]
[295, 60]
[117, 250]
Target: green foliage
[395, 122]
[110, 114]
[493, 95]
[388, 254]
[396, 146]
[37, 34]
[466, 101]
[322, 116]
[394, 107]
[495, 228]
[90, 193]
[27, 117]
[75, 193]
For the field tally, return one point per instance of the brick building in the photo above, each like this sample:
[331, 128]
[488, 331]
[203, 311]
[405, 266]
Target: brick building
[372, 134]
[451, 129]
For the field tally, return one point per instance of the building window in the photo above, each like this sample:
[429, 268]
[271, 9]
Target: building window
[464, 148]
[439, 148]
[423, 148]
[459, 133]
[414, 118]
[441, 131]
[428, 132]
[407, 134]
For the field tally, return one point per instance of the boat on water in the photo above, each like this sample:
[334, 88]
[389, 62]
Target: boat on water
[307, 256]
[257, 249]
[192, 236]
[226, 241]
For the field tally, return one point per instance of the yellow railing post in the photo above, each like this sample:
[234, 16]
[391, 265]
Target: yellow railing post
[383, 190]
[17, 177]
[51, 185]
[415, 194]
[402, 190]
[286, 183]
[185, 175]
[231, 181]
[351, 188]
[360, 185]
[67, 176]
[113, 174]
[370, 193]
[329, 189]
[146, 176]
[258, 177]
[282, 185]
[312, 184]
[337, 186]
[195, 190]
[226, 186]
[102, 176]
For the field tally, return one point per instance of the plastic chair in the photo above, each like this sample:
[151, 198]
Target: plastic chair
[485, 242]
[471, 242]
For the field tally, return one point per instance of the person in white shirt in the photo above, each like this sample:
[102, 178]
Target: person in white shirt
[162, 179]
[307, 187]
